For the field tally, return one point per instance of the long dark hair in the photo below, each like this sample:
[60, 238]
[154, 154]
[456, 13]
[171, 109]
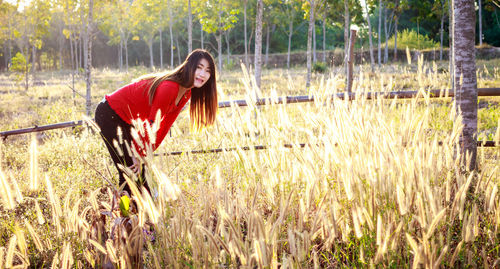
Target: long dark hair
[204, 103]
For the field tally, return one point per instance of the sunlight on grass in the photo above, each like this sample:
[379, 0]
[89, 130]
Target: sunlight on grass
[378, 182]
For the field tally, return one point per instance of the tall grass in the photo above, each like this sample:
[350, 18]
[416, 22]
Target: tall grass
[376, 185]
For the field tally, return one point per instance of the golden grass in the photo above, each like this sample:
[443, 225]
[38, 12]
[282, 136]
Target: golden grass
[372, 187]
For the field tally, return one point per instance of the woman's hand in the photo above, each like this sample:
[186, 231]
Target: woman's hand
[137, 166]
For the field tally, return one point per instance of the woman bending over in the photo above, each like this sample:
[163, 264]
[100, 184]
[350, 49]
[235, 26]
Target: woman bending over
[156, 100]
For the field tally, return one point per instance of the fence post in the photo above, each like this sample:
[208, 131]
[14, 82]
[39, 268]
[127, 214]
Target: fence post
[350, 61]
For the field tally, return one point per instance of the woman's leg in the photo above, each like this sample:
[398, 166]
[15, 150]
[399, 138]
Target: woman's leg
[109, 122]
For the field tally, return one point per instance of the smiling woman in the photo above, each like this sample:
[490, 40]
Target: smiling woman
[156, 100]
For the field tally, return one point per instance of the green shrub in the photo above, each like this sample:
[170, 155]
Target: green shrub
[20, 67]
[413, 40]
[319, 67]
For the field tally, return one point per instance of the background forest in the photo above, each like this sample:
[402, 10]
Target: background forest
[50, 34]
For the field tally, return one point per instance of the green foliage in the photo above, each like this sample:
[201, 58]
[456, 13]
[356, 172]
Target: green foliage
[319, 67]
[413, 40]
[19, 66]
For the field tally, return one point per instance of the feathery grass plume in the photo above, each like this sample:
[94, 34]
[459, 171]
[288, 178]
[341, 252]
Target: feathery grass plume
[67, 258]
[408, 55]
[55, 205]
[21, 240]
[493, 196]
[9, 258]
[33, 164]
[6, 192]
[34, 236]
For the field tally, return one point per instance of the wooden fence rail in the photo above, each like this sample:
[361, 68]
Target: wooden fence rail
[284, 100]
[261, 147]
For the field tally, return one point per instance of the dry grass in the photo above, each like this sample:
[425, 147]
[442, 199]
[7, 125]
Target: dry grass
[372, 187]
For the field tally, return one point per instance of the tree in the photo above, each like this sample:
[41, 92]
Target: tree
[289, 10]
[8, 13]
[190, 27]
[245, 3]
[440, 9]
[372, 60]
[116, 24]
[380, 7]
[218, 16]
[258, 42]
[149, 24]
[87, 50]
[312, 7]
[465, 81]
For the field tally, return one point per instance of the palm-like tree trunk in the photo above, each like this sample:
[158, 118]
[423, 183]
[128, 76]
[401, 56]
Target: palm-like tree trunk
[464, 59]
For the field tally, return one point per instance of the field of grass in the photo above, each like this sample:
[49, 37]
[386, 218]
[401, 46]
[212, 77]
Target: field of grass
[378, 183]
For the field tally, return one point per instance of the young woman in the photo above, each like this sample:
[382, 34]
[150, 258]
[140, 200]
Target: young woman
[156, 100]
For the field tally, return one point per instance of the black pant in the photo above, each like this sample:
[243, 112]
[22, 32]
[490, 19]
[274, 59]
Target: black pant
[109, 122]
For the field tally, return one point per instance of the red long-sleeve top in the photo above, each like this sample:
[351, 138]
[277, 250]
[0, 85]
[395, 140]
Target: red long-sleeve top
[131, 103]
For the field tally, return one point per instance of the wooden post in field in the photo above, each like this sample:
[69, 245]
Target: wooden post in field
[350, 61]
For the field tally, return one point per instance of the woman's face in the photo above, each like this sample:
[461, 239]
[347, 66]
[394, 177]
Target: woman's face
[202, 73]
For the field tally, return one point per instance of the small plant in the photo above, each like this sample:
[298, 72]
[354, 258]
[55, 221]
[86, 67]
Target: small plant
[319, 67]
[413, 40]
[20, 67]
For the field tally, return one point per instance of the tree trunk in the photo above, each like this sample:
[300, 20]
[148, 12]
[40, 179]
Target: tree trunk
[120, 53]
[324, 39]
[245, 30]
[441, 32]
[379, 32]
[450, 52]
[315, 59]
[309, 42]
[464, 20]
[33, 60]
[72, 53]
[267, 45]
[227, 47]
[290, 33]
[190, 28]
[346, 30]
[171, 37]
[81, 53]
[161, 48]
[396, 38]
[372, 60]
[178, 49]
[201, 37]
[258, 44]
[386, 50]
[126, 54]
[88, 57]
[219, 48]
[150, 47]
[61, 49]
